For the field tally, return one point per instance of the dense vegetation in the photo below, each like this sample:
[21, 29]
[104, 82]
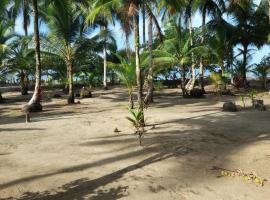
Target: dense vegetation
[79, 45]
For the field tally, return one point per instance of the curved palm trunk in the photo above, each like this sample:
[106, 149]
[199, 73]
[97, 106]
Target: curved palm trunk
[71, 98]
[150, 91]
[190, 85]
[105, 64]
[201, 60]
[35, 102]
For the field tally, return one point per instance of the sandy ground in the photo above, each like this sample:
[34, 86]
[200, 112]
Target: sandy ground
[72, 152]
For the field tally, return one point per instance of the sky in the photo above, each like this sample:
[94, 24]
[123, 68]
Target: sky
[119, 36]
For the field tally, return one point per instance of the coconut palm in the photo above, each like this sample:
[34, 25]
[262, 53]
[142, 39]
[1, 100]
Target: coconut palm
[176, 50]
[150, 79]
[103, 13]
[19, 60]
[35, 102]
[219, 39]
[262, 70]
[148, 8]
[125, 70]
[215, 8]
[184, 9]
[251, 27]
[64, 24]
[6, 35]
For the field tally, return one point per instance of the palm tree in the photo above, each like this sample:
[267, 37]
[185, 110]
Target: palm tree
[19, 60]
[176, 50]
[64, 25]
[150, 91]
[125, 70]
[148, 8]
[262, 70]
[22, 7]
[252, 27]
[220, 40]
[35, 102]
[184, 9]
[6, 35]
[105, 12]
[214, 8]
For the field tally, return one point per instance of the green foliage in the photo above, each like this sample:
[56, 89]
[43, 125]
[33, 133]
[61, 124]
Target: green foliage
[217, 79]
[158, 85]
[126, 71]
[262, 70]
[243, 100]
[137, 120]
[252, 94]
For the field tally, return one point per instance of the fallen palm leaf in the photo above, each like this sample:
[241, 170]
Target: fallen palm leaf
[248, 177]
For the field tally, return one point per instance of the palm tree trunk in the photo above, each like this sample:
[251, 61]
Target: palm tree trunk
[150, 91]
[25, 17]
[23, 83]
[131, 102]
[105, 63]
[222, 66]
[35, 102]
[138, 67]
[71, 99]
[1, 98]
[183, 81]
[269, 10]
[144, 17]
[244, 73]
[201, 60]
[191, 84]
[25, 27]
[137, 55]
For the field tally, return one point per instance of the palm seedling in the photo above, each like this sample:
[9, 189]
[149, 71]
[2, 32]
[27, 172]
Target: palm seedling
[137, 120]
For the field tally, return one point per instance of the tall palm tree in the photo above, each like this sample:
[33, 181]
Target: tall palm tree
[18, 7]
[6, 34]
[252, 27]
[20, 60]
[64, 25]
[220, 40]
[262, 70]
[149, 7]
[190, 9]
[150, 79]
[103, 13]
[215, 8]
[176, 50]
[35, 102]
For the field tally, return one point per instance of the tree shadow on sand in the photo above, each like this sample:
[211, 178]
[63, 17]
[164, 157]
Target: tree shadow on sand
[206, 136]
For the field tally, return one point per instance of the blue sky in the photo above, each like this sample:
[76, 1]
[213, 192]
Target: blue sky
[256, 57]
